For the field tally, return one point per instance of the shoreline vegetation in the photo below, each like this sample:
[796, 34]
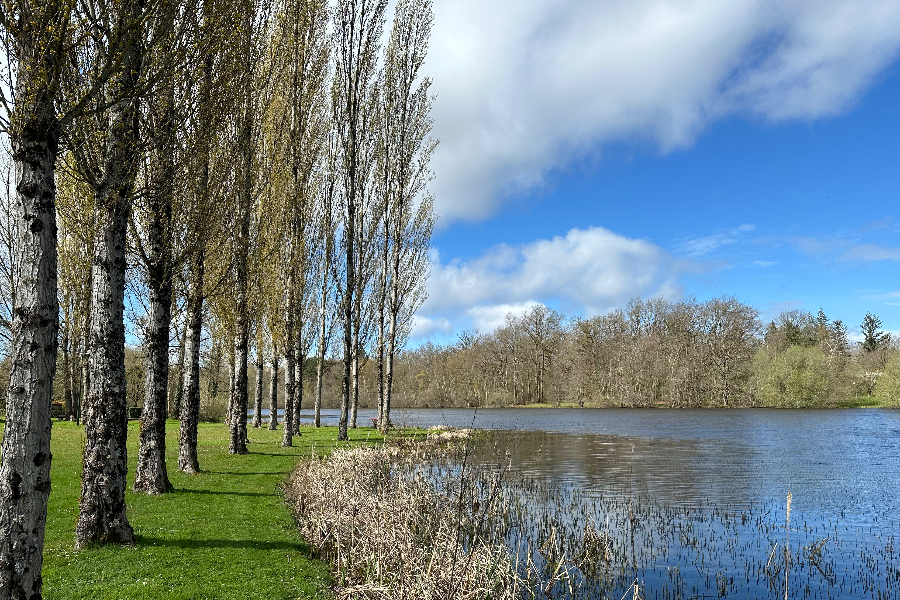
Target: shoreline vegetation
[858, 402]
[389, 533]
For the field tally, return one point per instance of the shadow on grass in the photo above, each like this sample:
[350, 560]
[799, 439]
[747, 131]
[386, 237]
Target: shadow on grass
[247, 472]
[221, 492]
[194, 544]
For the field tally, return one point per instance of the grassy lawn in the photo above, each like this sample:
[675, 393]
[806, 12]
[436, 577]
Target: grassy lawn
[224, 533]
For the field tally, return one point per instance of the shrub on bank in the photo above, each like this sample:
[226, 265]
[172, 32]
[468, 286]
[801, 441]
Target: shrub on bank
[213, 407]
[390, 536]
[887, 390]
[799, 377]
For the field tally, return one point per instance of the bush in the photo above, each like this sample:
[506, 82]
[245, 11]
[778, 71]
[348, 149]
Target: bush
[393, 536]
[800, 377]
[887, 390]
[213, 408]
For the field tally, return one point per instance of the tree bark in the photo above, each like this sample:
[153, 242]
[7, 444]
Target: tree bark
[85, 379]
[238, 439]
[85, 359]
[257, 398]
[102, 517]
[25, 470]
[354, 404]
[230, 411]
[320, 354]
[287, 438]
[348, 324]
[273, 392]
[74, 384]
[176, 377]
[190, 405]
[151, 475]
[67, 373]
[385, 422]
[299, 358]
[382, 342]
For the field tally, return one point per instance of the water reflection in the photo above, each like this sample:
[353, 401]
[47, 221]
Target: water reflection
[708, 489]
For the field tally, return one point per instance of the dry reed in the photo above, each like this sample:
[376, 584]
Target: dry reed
[389, 534]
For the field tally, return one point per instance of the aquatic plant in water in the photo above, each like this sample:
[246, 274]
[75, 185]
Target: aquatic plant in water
[441, 521]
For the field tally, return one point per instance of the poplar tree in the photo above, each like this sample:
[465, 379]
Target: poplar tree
[157, 254]
[101, 517]
[35, 37]
[404, 155]
[357, 32]
[211, 61]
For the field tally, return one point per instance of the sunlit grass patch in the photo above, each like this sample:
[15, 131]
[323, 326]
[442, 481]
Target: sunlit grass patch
[223, 533]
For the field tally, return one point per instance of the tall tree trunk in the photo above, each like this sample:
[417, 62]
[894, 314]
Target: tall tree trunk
[299, 358]
[150, 474]
[176, 377]
[101, 517]
[230, 408]
[382, 388]
[190, 406]
[85, 359]
[257, 398]
[238, 439]
[67, 373]
[348, 323]
[273, 391]
[287, 438]
[354, 405]
[320, 354]
[102, 507]
[356, 323]
[231, 355]
[74, 383]
[85, 380]
[385, 422]
[25, 470]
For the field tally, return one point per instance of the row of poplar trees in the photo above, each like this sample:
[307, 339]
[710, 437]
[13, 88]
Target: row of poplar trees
[260, 165]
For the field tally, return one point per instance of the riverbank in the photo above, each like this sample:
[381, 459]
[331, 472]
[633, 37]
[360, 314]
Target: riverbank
[852, 402]
[224, 533]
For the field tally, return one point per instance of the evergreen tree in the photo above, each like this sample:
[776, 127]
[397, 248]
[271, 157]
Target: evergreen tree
[873, 337]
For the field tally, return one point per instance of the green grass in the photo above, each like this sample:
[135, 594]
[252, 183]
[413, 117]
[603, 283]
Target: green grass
[859, 402]
[223, 533]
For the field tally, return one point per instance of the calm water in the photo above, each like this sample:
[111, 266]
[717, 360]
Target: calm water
[687, 468]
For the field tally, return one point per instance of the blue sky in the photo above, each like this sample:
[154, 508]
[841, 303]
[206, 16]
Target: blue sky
[596, 151]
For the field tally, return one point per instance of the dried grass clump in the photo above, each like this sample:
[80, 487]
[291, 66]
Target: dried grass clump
[389, 534]
[442, 433]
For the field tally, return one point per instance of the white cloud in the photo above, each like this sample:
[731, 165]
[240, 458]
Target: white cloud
[527, 86]
[844, 249]
[489, 318]
[709, 243]
[871, 253]
[588, 271]
[423, 327]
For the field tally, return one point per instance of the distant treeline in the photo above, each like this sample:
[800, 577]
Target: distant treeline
[651, 353]
[656, 353]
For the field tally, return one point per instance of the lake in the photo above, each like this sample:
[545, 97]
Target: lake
[721, 475]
